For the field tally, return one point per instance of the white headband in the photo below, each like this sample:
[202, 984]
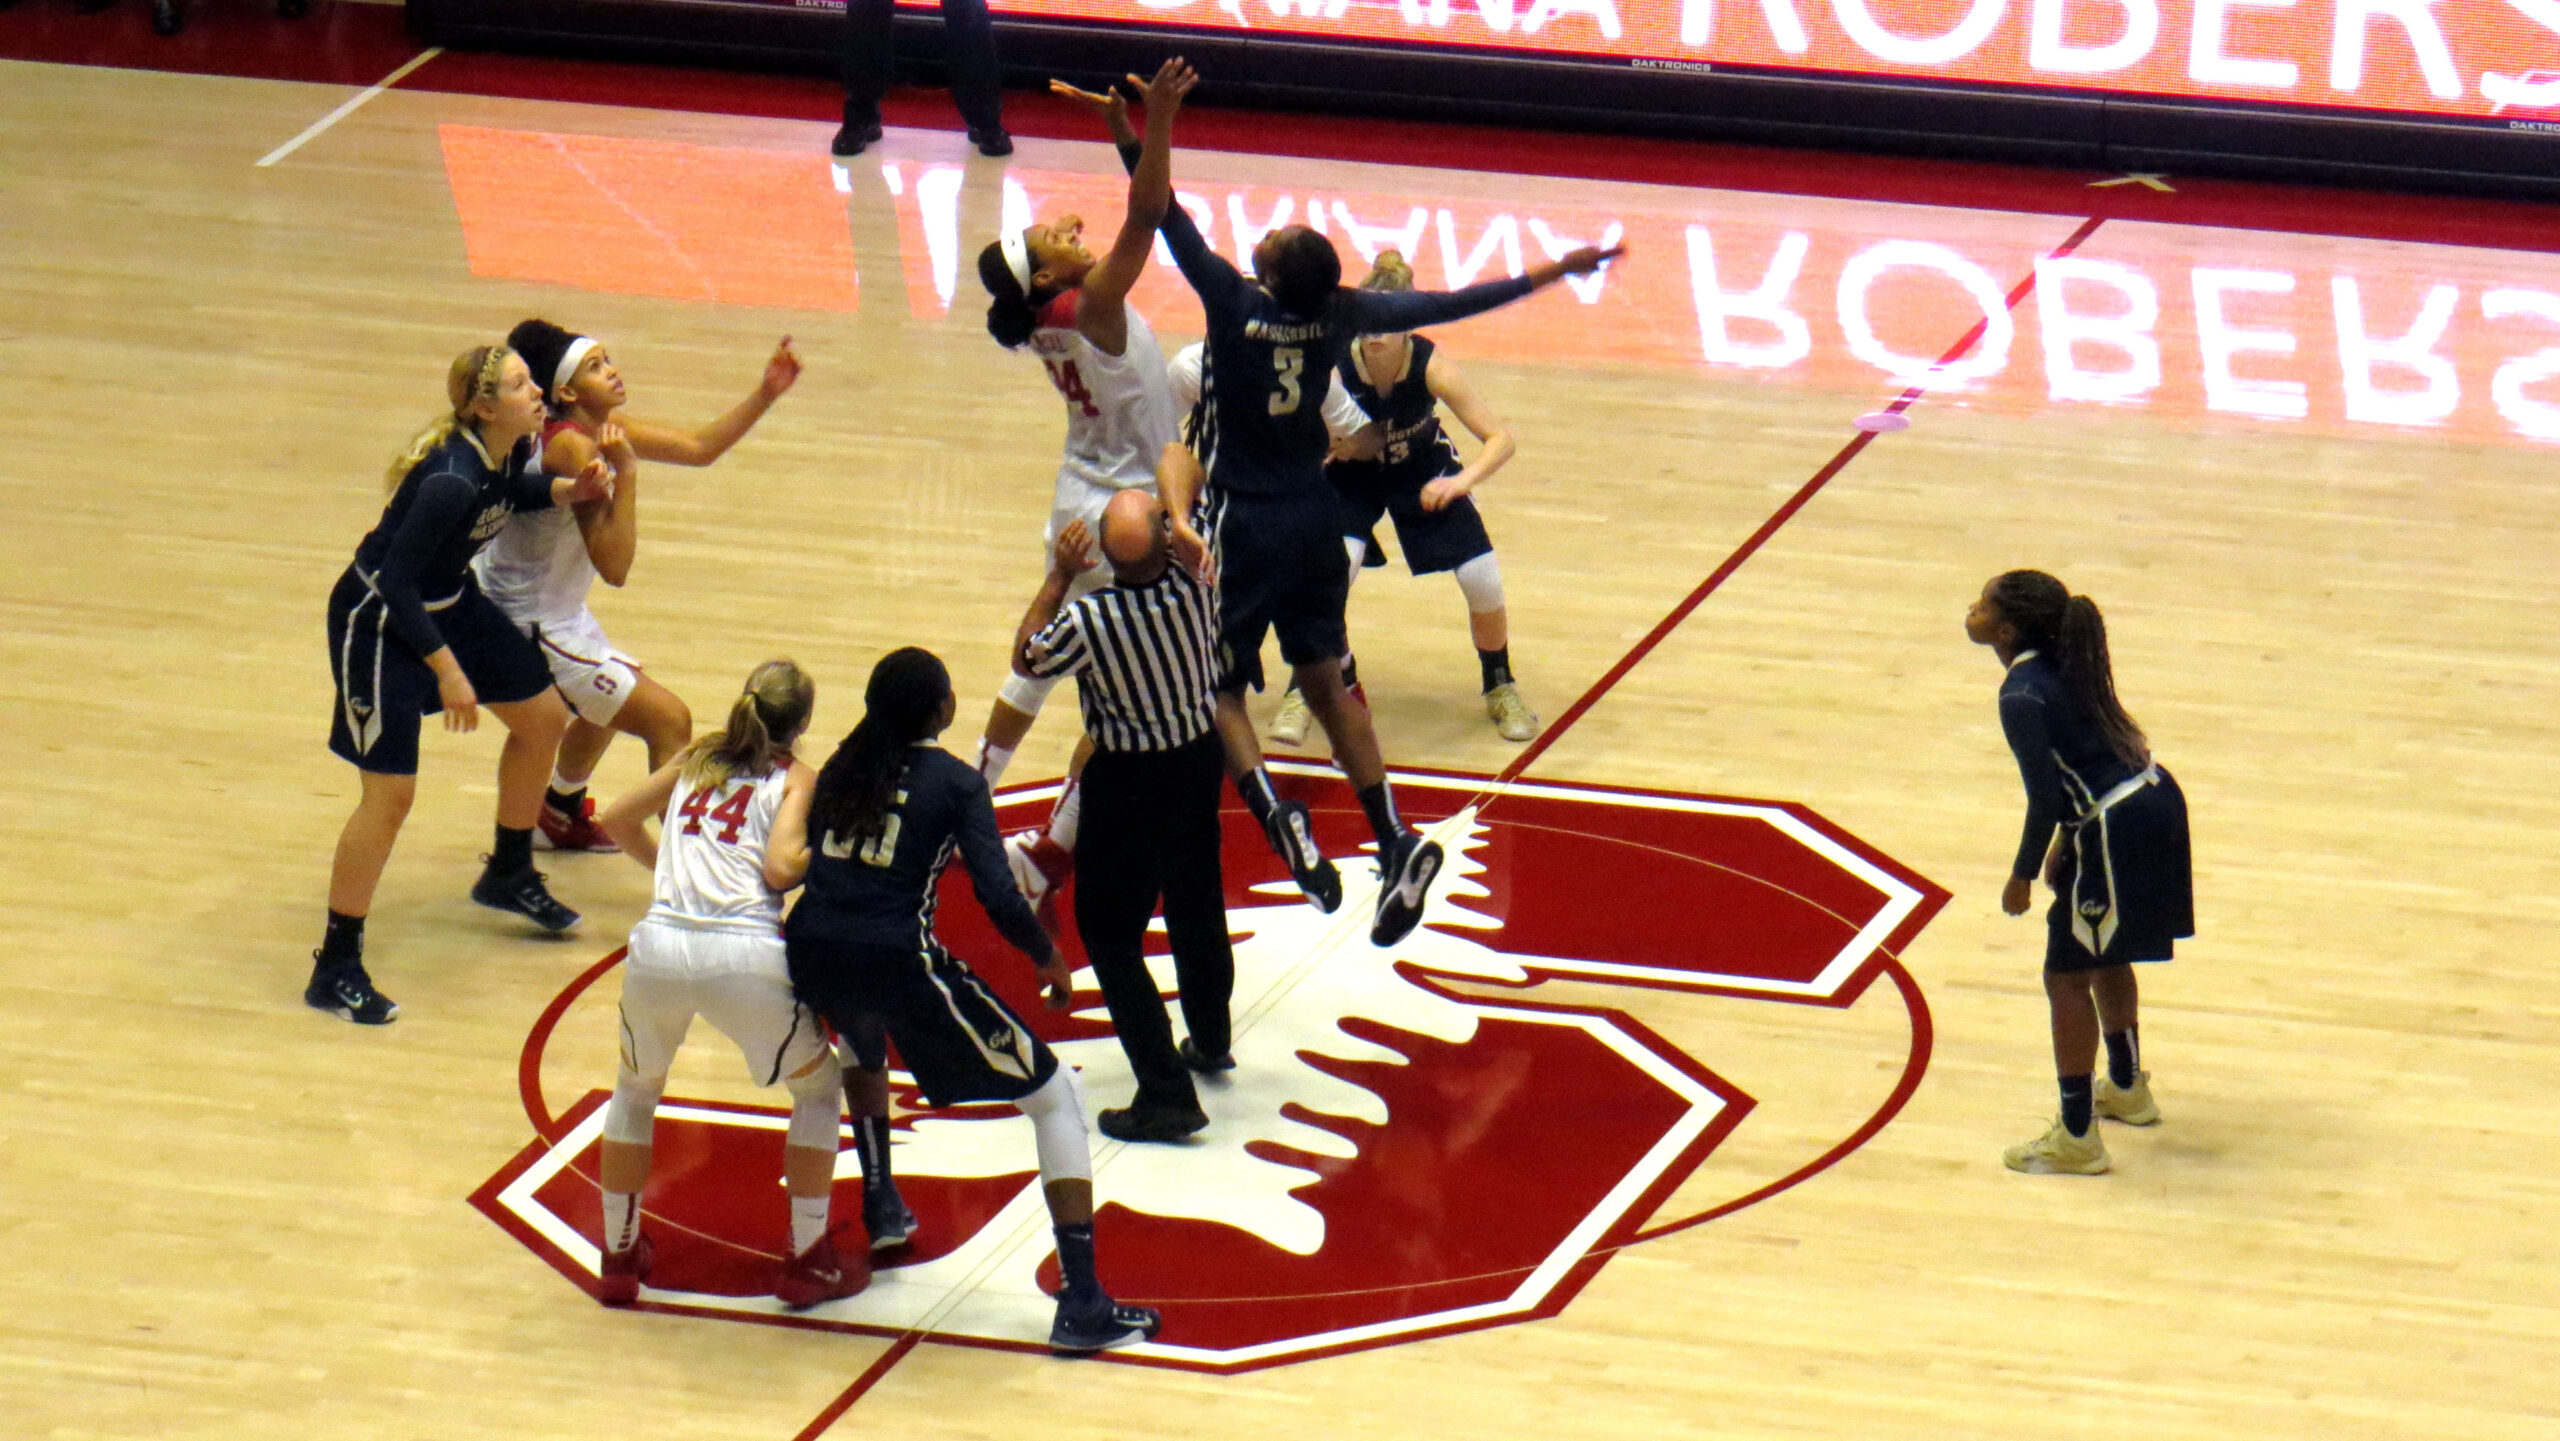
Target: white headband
[577, 351]
[1017, 258]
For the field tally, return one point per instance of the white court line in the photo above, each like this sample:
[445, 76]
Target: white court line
[343, 111]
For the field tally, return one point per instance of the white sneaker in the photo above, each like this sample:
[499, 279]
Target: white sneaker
[2130, 1104]
[2059, 1153]
[1289, 727]
[1509, 713]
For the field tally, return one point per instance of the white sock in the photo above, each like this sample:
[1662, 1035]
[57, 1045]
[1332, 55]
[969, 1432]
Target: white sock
[566, 786]
[1064, 815]
[992, 759]
[808, 1222]
[621, 1220]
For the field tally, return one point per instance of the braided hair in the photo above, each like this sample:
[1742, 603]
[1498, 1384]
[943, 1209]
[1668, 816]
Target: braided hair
[859, 783]
[473, 377]
[2068, 627]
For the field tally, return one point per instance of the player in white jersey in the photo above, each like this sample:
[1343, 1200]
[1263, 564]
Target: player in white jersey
[711, 946]
[1048, 293]
[541, 571]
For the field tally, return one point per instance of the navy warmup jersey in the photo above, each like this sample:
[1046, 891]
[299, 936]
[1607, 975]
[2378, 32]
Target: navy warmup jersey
[1261, 426]
[1407, 414]
[883, 894]
[2062, 753]
[448, 506]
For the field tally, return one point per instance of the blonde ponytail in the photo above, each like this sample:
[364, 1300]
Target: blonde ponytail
[471, 378]
[763, 722]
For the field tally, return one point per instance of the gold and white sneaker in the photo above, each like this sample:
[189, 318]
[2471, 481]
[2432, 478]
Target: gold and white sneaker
[1289, 727]
[2059, 1153]
[1509, 713]
[2130, 1104]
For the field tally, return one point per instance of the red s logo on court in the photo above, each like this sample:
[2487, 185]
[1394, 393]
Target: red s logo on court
[1454, 1133]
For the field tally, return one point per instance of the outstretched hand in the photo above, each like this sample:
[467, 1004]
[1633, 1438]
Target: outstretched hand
[1110, 105]
[595, 482]
[1193, 553]
[1072, 556]
[1588, 259]
[1173, 80]
[781, 370]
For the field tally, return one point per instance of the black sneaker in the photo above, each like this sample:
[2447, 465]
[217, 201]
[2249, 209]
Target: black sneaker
[1405, 874]
[1193, 1057]
[992, 142]
[1151, 1121]
[345, 990]
[1293, 835]
[524, 894]
[1083, 1330]
[853, 139]
[886, 1217]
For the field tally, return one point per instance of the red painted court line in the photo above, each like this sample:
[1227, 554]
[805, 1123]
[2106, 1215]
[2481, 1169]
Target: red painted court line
[1777, 519]
[869, 1378]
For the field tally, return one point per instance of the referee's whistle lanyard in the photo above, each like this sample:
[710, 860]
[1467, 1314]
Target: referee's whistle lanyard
[2093, 881]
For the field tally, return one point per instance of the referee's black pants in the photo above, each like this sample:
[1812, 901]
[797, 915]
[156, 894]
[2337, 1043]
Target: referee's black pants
[968, 45]
[1150, 831]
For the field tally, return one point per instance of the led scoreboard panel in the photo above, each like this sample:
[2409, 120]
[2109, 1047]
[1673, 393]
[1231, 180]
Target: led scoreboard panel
[2462, 93]
[2483, 59]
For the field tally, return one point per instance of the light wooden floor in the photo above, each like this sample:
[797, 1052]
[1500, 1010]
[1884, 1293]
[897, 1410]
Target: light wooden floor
[226, 1217]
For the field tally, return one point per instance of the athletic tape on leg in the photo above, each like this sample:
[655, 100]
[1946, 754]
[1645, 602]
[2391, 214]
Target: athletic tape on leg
[1481, 581]
[1057, 1126]
[631, 1117]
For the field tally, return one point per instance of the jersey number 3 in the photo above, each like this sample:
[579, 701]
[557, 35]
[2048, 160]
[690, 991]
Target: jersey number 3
[1062, 374]
[1289, 366]
[731, 813]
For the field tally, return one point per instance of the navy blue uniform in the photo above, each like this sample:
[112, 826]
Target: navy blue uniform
[864, 955]
[410, 593]
[2127, 891]
[1417, 453]
[1272, 519]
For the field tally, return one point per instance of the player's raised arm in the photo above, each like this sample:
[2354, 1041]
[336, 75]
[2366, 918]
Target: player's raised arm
[1376, 312]
[706, 443]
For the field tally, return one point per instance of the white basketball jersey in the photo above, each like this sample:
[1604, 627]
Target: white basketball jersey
[1120, 409]
[537, 569]
[711, 855]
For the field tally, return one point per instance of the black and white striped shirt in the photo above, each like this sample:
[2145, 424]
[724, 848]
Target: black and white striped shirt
[1146, 658]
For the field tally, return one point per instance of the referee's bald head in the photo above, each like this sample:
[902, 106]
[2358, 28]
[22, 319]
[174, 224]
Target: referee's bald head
[1136, 536]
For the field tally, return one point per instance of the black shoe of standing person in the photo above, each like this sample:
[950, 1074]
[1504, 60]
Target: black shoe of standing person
[1202, 1062]
[88, 7]
[992, 141]
[524, 894]
[886, 1217]
[344, 990]
[292, 9]
[166, 17]
[1152, 1121]
[1100, 1326]
[854, 138]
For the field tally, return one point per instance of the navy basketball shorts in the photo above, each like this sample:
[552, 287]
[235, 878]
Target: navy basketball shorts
[1432, 540]
[957, 1037]
[1280, 568]
[386, 690]
[2128, 891]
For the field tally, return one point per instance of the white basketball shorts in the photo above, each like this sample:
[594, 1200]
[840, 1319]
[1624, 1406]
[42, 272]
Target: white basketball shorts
[739, 981]
[592, 676]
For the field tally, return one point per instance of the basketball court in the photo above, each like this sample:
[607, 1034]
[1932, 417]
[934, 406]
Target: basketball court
[1681, 1116]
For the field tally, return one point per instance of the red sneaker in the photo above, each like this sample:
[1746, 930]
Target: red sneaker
[618, 1282]
[820, 1274]
[577, 833]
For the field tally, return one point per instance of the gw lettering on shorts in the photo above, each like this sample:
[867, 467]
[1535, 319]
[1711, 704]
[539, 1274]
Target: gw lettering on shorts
[1284, 334]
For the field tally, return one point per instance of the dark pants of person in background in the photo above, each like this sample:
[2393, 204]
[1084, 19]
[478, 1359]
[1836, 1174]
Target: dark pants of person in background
[1151, 830]
[969, 48]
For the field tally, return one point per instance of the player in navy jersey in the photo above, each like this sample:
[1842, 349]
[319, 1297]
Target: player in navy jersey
[2108, 827]
[1272, 521]
[410, 634]
[1400, 382]
[890, 812]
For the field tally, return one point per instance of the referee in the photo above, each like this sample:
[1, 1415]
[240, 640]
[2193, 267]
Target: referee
[1145, 651]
